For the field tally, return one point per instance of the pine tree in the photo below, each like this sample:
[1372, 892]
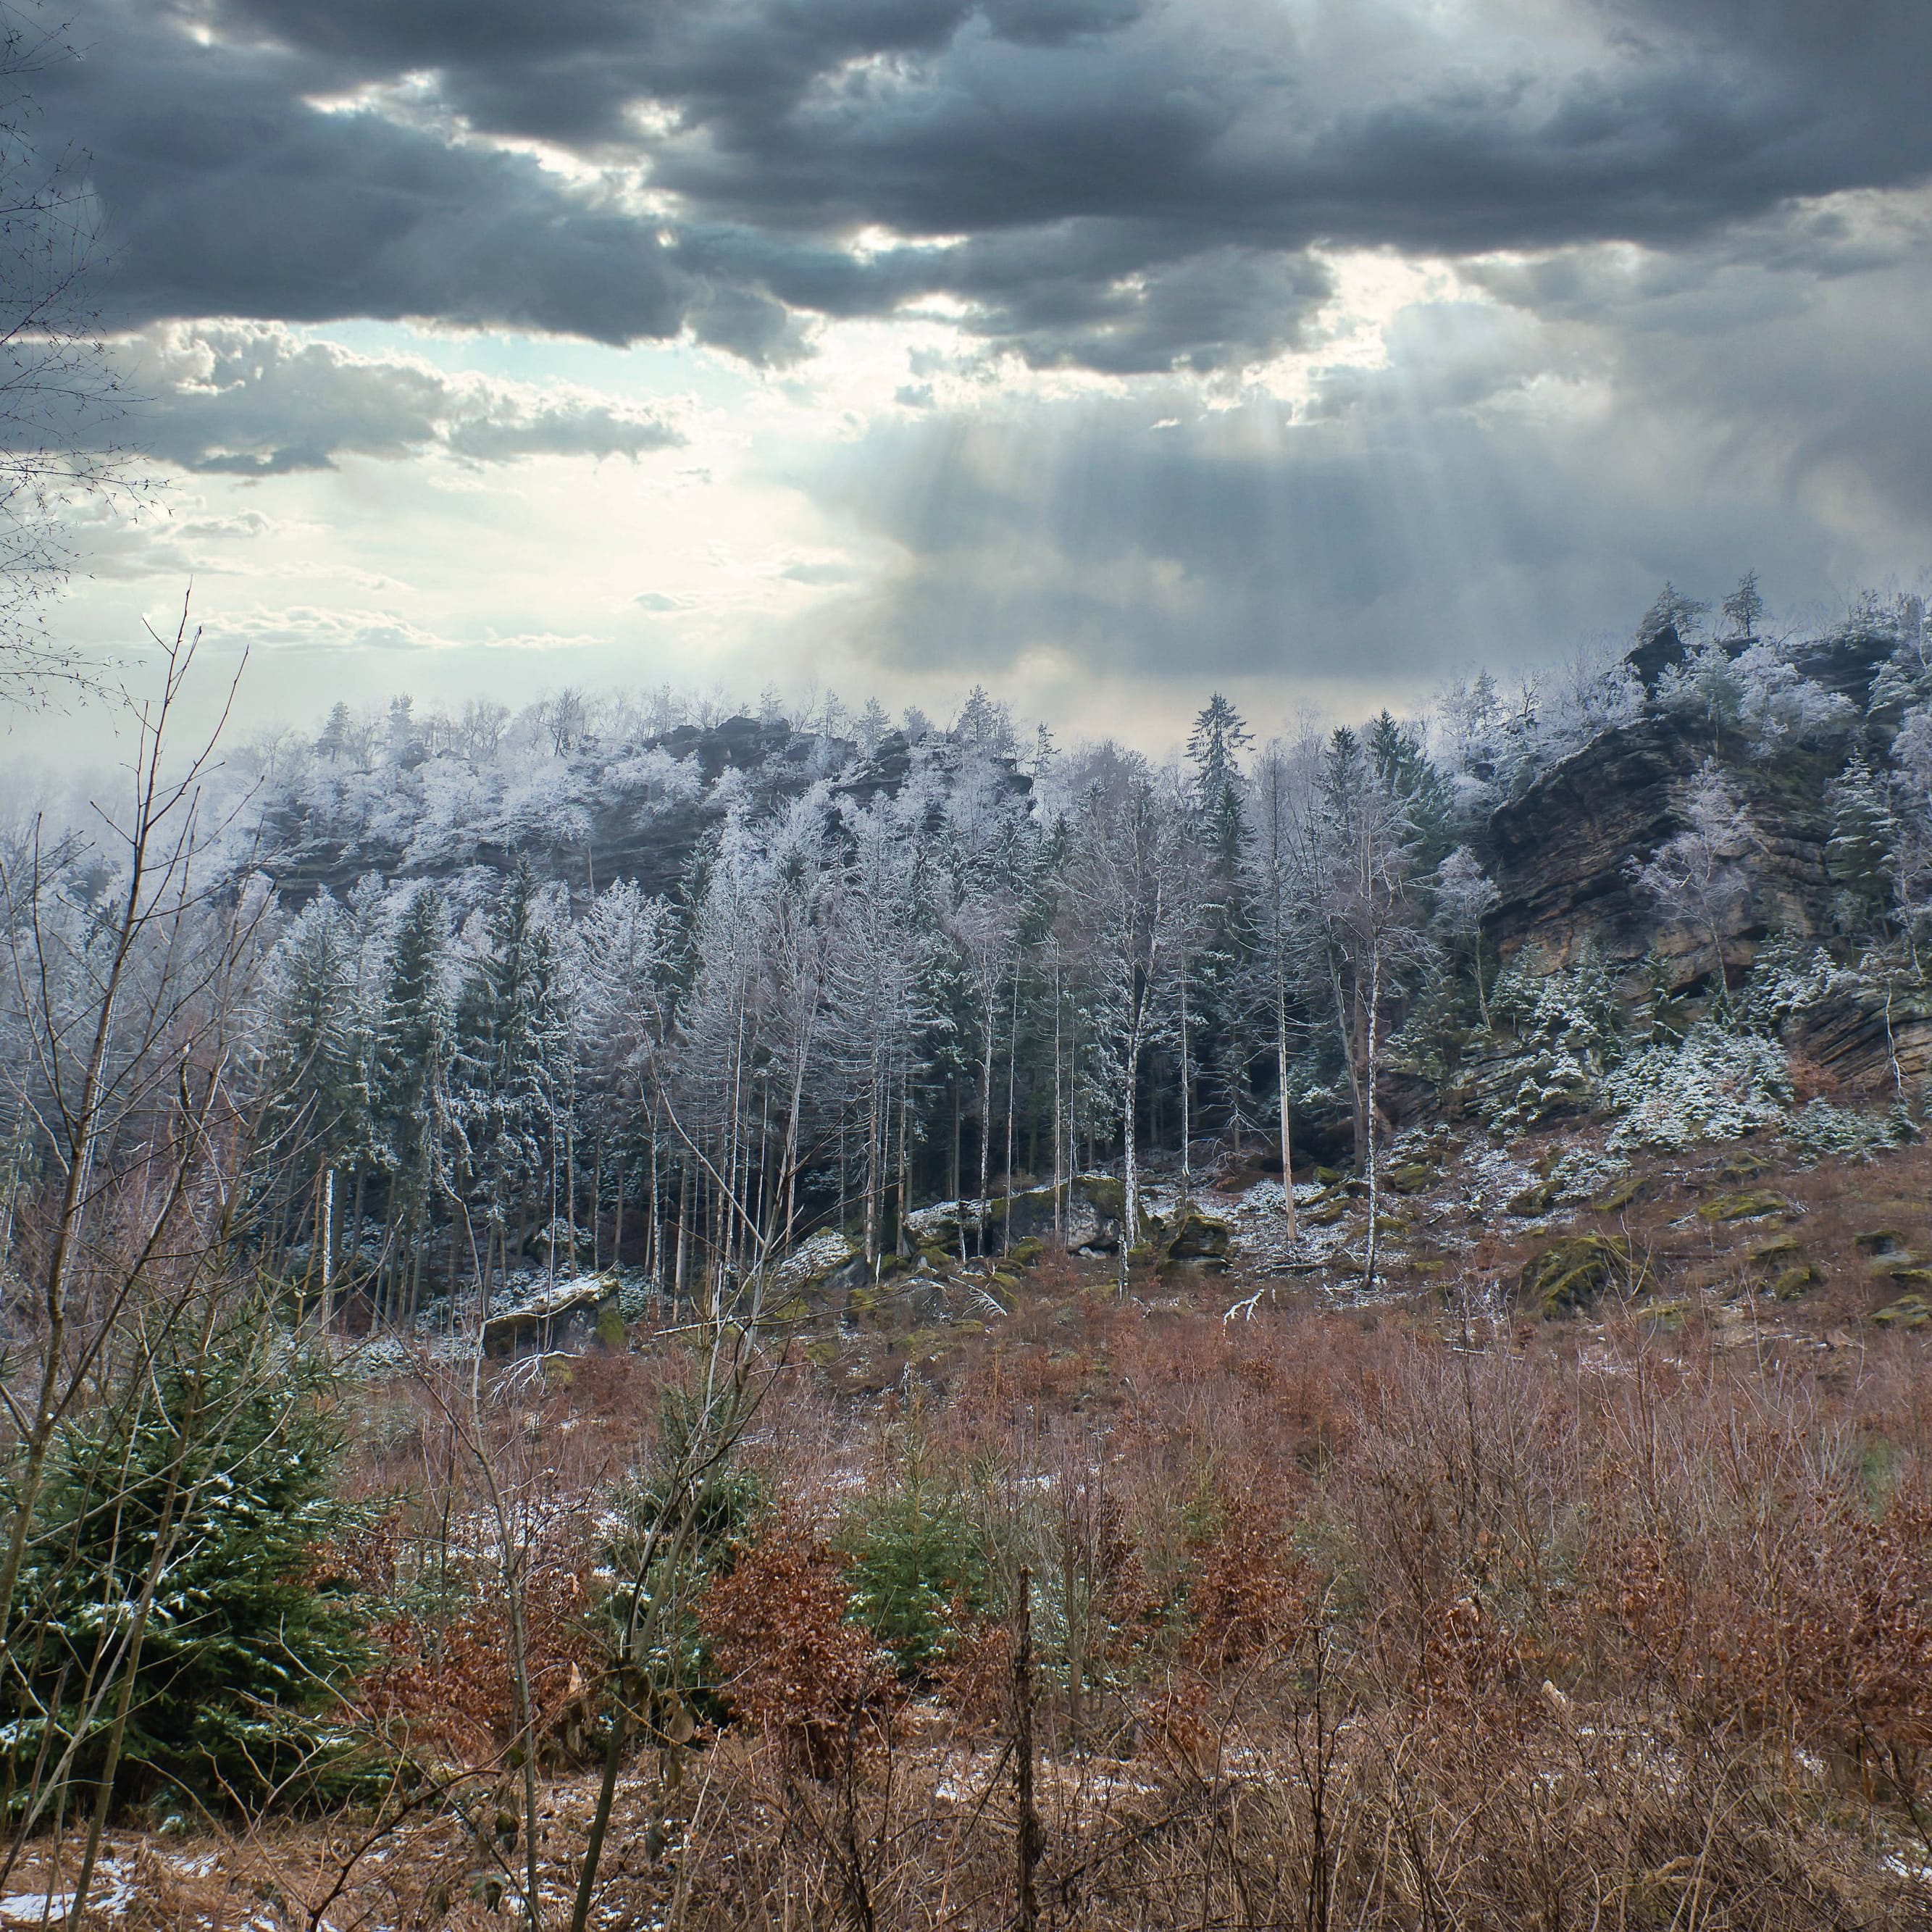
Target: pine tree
[414, 1049]
[199, 1509]
[516, 1047]
[1862, 857]
[318, 1115]
[1214, 747]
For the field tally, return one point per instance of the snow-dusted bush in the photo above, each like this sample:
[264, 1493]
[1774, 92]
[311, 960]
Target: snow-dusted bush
[1585, 1170]
[1785, 977]
[1568, 1032]
[1821, 1131]
[653, 777]
[1757, 692]
[1716, 1085]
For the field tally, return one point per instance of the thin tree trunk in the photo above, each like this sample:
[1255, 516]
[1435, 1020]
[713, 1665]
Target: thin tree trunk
[1281, 1076]
[1375, 1165]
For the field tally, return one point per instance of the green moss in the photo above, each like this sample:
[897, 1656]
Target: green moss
[1532, 1201]
[1753, 1204]
[1024, 1254]
[1575, 1273]
[1621, 1193]
[1324, 1213]
[1788, 1283]
[1902, 1272]
[1780, 1251]
[1328, 1176]
[1107, 1198]
[1667, 1314]
[610, 1335]
[1910, 1311]
[1410, 1177]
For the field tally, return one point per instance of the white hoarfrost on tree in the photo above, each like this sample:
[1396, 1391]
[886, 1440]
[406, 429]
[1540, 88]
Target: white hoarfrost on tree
[1700, 877]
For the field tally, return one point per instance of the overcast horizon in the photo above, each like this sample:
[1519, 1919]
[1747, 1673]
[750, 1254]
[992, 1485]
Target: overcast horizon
[1103, 352]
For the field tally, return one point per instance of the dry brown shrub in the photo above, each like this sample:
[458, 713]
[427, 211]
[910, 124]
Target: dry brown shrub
[792, 1666]
[1251, 1596]
[441, 1683]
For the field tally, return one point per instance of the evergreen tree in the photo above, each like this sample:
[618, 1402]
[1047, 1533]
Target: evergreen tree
[198, 1511]
[1743, 608]
[1213, 748]
[318, 1116]
[1862, 855]
[1411, 777]
[517, 1048]
[414, 1049]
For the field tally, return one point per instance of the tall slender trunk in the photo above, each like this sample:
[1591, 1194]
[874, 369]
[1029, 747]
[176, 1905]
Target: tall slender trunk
[1012, 1075]
[900, 1241]
[989, 1051]
[1281, 1076]
[1187, 1097]
[1369, 1077]
[1059, 1174]
[597, 1204]
[1130, 1194]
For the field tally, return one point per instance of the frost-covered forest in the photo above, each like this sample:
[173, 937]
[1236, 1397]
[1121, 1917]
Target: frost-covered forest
[652, 1310]
[673, 986]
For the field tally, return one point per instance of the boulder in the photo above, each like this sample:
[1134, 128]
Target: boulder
[564, 1319]
[1753, 1204]
[1576, 1272]
[1910, 1311]
[1621, 1193]
[1195, 1242]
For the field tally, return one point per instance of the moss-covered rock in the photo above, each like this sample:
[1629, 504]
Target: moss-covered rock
[1328, 1176]
[1902, 1272]
[1575, 1273]
[1777, 1251]
[1197, 1242]
[1788, 1283]
[1535, 1200]
[1409, 1177]
[1325, 1214]
[1909, 1311]
[1621, 1193]
[1026, 1253]
[1753, 1204]
[1742, 1169]
[1879, 1243]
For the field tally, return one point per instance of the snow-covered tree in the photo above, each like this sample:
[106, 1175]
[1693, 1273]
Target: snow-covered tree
[1700, 877]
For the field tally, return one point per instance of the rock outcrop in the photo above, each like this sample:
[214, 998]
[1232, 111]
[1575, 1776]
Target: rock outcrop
[1561, 855]
[564, 1319]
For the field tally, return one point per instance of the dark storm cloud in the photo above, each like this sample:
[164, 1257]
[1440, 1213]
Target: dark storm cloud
[255, 400]
[1131, 187]
[1517, 477]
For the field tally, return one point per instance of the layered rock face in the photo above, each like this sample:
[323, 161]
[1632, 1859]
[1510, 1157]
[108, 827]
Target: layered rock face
[1562, 855]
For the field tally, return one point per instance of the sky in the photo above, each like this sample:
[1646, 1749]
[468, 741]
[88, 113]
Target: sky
[1104, 352]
